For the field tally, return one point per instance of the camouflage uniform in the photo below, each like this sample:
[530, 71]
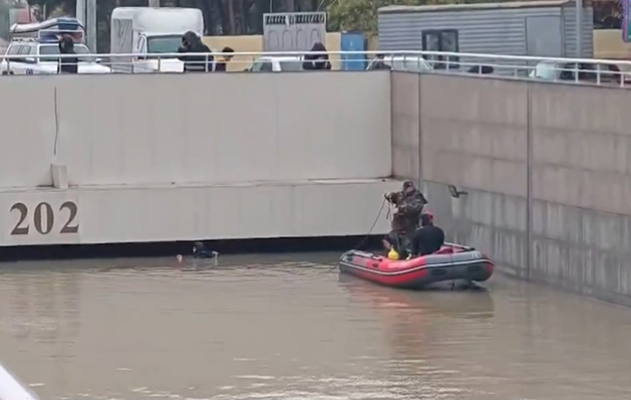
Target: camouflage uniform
[410, 206]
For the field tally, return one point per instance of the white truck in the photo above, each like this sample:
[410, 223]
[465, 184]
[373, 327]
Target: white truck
[150, 30]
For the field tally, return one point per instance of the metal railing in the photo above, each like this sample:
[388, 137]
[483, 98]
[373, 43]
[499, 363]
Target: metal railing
[578, 70]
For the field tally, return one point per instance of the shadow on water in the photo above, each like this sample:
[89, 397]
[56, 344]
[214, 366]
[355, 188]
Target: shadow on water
[163, 249]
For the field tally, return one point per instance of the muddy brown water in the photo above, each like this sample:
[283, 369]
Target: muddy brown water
[287, 327]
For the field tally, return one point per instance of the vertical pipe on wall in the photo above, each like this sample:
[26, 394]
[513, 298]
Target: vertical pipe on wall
[528, 181]
[419, 89]
[579, 28]
[91, 24]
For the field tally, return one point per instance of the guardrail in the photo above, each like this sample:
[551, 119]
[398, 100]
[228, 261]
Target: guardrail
[588, 71]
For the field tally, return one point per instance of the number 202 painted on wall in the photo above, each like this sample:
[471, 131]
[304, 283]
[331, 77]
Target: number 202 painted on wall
[44, 224]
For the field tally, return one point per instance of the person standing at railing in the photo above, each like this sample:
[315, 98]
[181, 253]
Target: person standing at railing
[317, 61]
[67, 65]
[222, 62]
[191, 43]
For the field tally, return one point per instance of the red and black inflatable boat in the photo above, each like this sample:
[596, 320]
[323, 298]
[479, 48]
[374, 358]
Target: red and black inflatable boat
[453, 264]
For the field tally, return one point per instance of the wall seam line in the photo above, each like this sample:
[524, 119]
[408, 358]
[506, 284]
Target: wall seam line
[419, 85]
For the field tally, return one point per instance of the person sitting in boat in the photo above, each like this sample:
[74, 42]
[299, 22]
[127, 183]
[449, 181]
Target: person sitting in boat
[200, 251]
[409, 204]
[429, 238]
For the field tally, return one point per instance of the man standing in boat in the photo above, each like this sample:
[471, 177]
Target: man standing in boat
[409, 204]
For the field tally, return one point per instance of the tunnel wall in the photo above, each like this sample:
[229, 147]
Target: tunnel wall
[181, 129]
[141, 158]
[545, 168]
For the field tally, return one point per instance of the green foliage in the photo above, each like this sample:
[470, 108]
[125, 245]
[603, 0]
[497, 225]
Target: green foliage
[242, 17]
[361, 15]
[54, 6]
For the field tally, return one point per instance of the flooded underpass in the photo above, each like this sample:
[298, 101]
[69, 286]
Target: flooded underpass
[288, 327]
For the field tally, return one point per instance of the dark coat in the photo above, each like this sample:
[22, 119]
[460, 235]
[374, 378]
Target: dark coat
[427, 240]
[68, 65]
[316, 62]
[195, 63]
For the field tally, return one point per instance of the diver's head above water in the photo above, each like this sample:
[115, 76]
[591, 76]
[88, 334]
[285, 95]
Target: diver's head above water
[200, 251]
[198, 247]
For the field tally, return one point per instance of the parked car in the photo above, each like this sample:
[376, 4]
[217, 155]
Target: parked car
[587, 72]
[47, 63]
[276, 64]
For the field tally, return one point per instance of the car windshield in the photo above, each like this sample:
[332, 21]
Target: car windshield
[163, 44]
[545, 70]
[49, 53]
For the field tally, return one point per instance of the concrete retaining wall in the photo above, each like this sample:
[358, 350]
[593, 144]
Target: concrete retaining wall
[175, 213]
[547, 169]
[145, 158]
[181, 129]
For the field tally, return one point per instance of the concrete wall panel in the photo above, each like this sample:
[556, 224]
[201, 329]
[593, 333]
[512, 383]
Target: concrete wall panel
[494, 223]
[473, 133]
[211, 128]
[28, 130]
[582, 250]
[172, 213]
[575, 230]
[228, 128]
[580, 145]
[405, 124]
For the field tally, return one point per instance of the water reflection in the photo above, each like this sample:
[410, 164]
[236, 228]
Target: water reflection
[39, 305]
[415, 324]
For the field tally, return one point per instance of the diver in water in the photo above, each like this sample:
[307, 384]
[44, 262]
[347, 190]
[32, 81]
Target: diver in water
[200, 251]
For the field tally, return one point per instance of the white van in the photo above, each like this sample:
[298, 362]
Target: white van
[147, 30]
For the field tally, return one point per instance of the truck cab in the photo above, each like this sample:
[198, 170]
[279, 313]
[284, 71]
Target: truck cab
[142, 35]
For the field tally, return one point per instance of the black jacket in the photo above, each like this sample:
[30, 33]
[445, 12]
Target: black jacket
[427, 240]
[196, 63]
[67, 65]
[315, 62]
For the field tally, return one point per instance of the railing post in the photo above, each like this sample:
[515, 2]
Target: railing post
[598, 74]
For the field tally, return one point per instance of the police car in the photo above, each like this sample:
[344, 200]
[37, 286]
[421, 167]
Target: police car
[34, 49]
